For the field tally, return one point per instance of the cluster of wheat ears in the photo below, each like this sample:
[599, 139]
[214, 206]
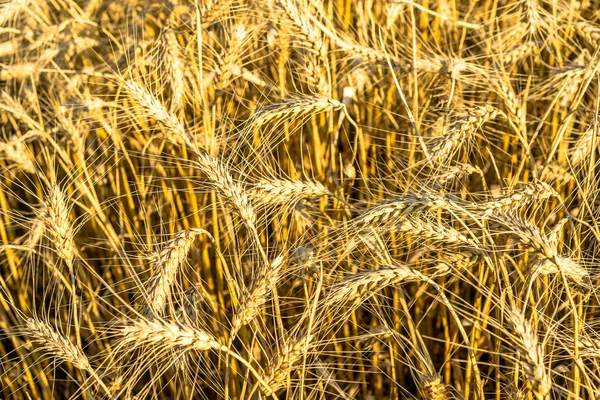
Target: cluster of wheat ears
[299, 199]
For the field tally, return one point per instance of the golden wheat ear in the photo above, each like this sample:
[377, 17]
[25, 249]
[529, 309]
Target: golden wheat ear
[61, 348]
[532, 353]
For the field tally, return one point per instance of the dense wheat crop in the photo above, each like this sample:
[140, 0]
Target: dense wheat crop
[299, 199]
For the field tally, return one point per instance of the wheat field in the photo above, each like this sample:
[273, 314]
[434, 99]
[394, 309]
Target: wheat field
[299, 199]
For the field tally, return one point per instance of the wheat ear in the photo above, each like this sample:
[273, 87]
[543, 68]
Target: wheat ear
[166, 265]
[532, 353]
[283, 191]
[173, 59]
[232, 191]
[58, 225]
[283, 364]
[164, 336]
[460, 131]
[251, 304]
[60, 347]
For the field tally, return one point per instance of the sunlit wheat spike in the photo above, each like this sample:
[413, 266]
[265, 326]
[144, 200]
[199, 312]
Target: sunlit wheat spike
[173, 59]
[160, 338]
[306, 32]
[166, 264]
[430, 230]
[10, 9]
[229, 63]
[460, 131]
[282, 191]
[527, 232]
[141, 332]
[362, 52]
[434, 388]
[16, 109]
[392, 211]
[232, 191]
[155, 109]
[583, 147]
[37, 228]
[589, 31]
[284, 363]
[532, 353]
[554, 173]
[212, 11]
[532, 16]
[19, 71]
[518, 52]
[571, 268]
[58, 224]
[512, 103]
[55, 344]
[570, 79]
[368, 282]
[251, 304]
[16, 151]
[518, 198]
[376, 334]
[295, 107]
[8, 48]
[455, 172]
